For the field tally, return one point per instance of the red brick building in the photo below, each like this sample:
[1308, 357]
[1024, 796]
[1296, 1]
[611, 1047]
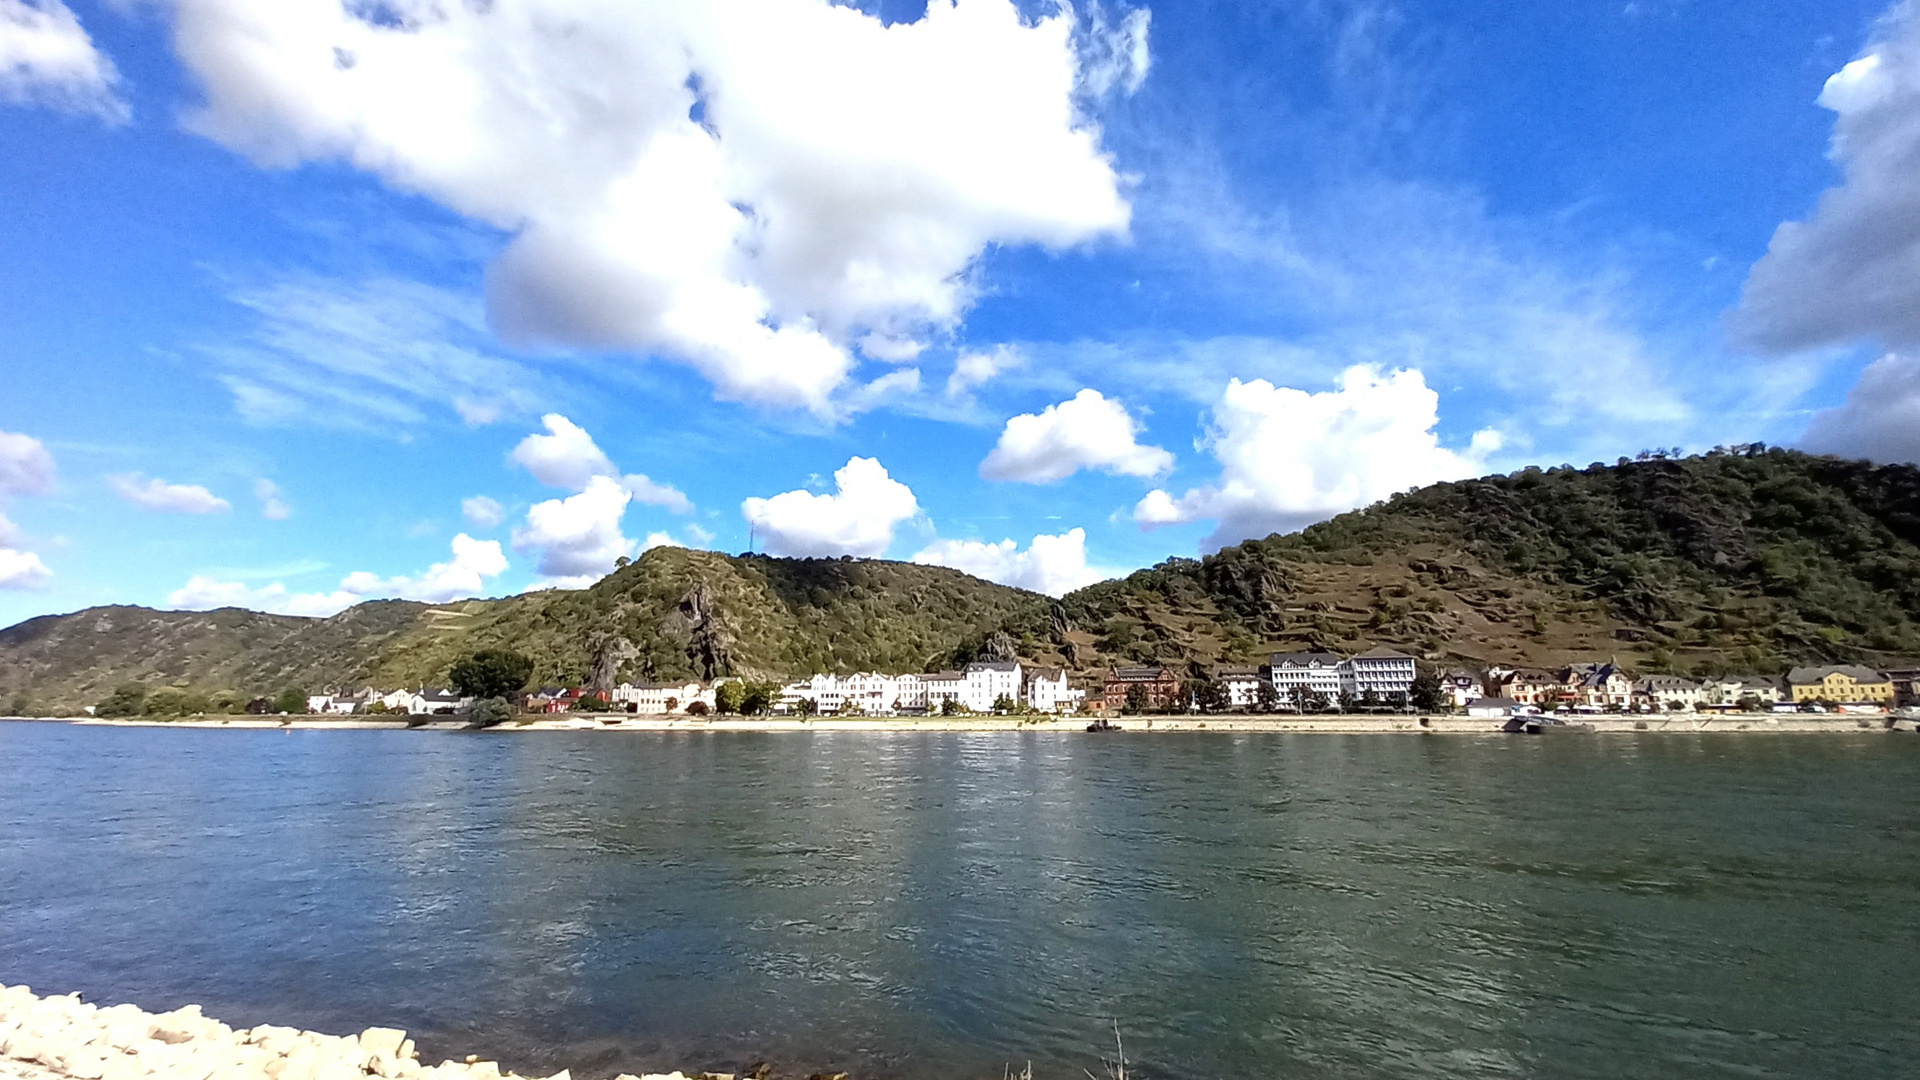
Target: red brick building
[1161, 684]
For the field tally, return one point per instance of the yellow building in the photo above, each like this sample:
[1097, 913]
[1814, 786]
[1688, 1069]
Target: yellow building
[1842, 684]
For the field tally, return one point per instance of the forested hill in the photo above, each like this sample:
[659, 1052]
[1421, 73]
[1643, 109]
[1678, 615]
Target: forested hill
[1743, 560]
[672, 613]
[1739, 561]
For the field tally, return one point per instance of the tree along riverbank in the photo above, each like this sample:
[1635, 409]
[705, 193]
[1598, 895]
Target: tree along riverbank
[1330, 724]
[61, 1036]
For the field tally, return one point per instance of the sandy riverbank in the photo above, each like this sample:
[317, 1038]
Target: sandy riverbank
[1685, 723]
[46, 1038]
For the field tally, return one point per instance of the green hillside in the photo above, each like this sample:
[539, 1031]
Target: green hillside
[1746, 560]
[672, 613]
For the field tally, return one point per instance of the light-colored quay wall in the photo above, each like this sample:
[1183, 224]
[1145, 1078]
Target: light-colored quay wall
[44, 1038]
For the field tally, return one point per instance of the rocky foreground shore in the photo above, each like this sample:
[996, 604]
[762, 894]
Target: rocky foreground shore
[44, 1038]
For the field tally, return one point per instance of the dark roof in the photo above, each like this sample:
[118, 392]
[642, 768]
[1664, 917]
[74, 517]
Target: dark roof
[993, 665]
[1492, 703]
[1045, 672]
[1853, 671]
[1302, 659]
[1383, 653]
[1138, 674]
[1236, 672]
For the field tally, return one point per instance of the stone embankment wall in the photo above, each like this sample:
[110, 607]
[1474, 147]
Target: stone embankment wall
[44, 1038]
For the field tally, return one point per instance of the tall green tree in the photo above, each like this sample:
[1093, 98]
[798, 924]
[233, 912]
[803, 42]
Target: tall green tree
[127, 699]
[292, 700]
[757, 698]
[728, 696]
[490, 673]
[1426, 694]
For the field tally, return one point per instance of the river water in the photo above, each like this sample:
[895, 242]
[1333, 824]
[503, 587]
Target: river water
[942, 905]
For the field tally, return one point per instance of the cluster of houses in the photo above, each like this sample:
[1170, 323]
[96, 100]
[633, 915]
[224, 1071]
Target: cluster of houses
[1380, 678]
[983, 687]
[1312, 681]
[421, 702]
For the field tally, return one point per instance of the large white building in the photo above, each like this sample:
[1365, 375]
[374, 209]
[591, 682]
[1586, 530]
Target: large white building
[989, 681]
[975, 689]
[1296, 674]
[1386, 673]
[942, 687]
[1047, 691]
[1241, 684]
[659, 698]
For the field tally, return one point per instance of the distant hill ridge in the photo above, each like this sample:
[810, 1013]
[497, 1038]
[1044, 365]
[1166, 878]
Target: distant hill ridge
[1751, 559]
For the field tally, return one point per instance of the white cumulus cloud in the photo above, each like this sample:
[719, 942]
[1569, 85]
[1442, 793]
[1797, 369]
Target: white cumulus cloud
[26, 468]
[22, 570]
[976, 369]
[1880, 419]
[1851, 270]
[482, 512]
[1088, 431]
[157, 494]
[723, 183]
[46, 58]
[1289, 458]
[857, 519]
[578, 537]
[464, 575]
[1055, 565]
[567, 457]
[460, 577]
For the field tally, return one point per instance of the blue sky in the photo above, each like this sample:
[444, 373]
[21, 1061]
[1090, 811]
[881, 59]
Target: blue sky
[278, 324]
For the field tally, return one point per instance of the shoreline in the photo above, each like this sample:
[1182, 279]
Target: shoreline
[61, 1037]
[1681, 723]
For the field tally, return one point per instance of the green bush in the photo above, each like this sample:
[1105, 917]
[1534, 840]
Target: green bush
[489, 712]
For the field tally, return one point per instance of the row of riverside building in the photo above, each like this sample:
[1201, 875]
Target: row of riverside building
[982, 687]
[1297, 681]
[1310, 681]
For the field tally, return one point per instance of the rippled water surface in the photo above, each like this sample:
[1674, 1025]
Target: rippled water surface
[938, 905]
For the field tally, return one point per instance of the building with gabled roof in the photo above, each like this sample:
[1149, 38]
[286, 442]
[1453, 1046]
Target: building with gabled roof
[1843, 684]
[1162, 686]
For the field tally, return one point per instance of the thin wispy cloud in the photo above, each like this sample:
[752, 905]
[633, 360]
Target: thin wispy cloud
[383, 355]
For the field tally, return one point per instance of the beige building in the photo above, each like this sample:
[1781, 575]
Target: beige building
[1843, 684]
